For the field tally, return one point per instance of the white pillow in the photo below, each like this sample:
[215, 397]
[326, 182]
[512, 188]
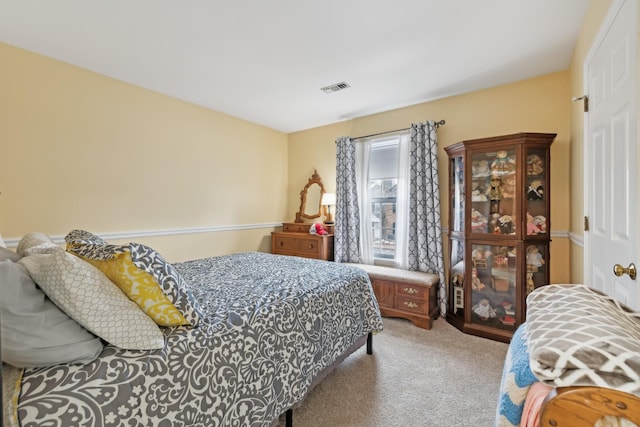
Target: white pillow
[85, 294]
[35, 332]
[35, 243]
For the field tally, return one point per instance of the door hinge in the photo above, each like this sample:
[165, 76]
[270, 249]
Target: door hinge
[586, 223]
[585, 102]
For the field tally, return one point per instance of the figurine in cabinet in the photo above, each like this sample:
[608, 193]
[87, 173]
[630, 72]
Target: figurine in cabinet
[534, 165]
[481, 258]
[484, 310]
[536, 225]
[500, 165]
[534, 259]
[506, 313]
[478, 222]
[495, 192]
[478, 192]
[530, 284]
[509, 187]
[506, 224]
[476, 284]
[501, 259]
[480, 169]
[541, 223]
[532, 229]
[535, 190]
[494, 226]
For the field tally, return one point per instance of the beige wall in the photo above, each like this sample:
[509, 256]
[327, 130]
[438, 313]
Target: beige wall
[541, 104]
[80, 150]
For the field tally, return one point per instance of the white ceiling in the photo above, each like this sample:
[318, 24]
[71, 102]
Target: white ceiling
[265, 61]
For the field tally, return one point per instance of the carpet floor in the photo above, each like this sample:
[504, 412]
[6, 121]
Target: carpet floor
[415, 377]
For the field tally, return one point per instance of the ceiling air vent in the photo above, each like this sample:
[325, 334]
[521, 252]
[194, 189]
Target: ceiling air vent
[335, 87]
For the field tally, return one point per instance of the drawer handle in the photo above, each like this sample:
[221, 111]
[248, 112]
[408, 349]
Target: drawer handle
[411, 304]
[411, 290]
[281, 243]
[311, 246]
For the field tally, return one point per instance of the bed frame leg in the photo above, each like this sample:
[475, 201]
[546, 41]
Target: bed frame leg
[289, 418]
[370, 343]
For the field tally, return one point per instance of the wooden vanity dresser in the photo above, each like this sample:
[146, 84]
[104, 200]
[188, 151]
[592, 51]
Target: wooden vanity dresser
[295, 240]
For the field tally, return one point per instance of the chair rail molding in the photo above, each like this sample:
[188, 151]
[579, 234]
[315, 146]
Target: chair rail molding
[117, 235]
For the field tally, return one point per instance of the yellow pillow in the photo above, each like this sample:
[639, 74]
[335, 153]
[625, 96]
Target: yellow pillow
[141, 288]
[91, 247]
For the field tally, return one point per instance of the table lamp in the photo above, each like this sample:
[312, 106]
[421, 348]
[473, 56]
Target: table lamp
[328, 200]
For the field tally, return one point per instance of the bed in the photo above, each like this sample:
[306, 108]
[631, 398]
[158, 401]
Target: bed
[262, 331]
[574, 362]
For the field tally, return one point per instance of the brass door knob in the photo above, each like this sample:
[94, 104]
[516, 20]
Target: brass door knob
[619, 270]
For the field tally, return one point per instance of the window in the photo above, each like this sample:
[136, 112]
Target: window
[383, 188]
[381, 178]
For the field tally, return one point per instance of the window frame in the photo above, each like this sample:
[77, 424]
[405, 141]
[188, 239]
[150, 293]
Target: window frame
[373, 254]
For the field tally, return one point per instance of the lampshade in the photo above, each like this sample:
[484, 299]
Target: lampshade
[328, 199]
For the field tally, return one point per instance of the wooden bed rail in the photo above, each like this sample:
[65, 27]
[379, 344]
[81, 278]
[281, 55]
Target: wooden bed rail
[583, 406]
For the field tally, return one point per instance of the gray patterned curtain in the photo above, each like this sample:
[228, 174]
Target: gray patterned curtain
[347, 216]
[425, 250]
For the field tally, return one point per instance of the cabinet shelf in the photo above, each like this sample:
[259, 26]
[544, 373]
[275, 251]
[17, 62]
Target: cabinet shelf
[498, 231]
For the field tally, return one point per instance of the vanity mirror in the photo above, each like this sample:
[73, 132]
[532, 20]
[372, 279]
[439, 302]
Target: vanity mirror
[310, 199]
[295, 239]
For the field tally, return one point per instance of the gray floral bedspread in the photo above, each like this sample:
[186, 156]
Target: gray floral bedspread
[272, 323]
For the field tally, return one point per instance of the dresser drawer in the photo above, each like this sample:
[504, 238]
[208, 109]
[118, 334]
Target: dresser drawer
[284, 243]
[413, 291]
[411, 304]
[293, 227]
[303, 245]
[308, 246]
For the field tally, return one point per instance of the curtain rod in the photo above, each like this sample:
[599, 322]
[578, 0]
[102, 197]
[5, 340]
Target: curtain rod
[438, 124]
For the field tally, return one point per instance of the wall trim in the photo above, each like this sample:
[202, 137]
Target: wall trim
[117, 235]
[560, 234]
[577, 239]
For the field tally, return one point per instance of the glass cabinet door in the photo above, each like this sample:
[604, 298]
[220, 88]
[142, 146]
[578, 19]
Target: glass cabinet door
[493, 285]
[457, 193]
[535, 186]
[457, 276]
[493, 192]
[537, 257]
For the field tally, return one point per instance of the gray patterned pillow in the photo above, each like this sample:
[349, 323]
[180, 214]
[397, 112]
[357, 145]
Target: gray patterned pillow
[8, 254]
[82, 243]
[82, 237]
[85, 294]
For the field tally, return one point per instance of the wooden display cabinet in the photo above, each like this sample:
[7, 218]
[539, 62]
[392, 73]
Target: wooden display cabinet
[499, 224]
